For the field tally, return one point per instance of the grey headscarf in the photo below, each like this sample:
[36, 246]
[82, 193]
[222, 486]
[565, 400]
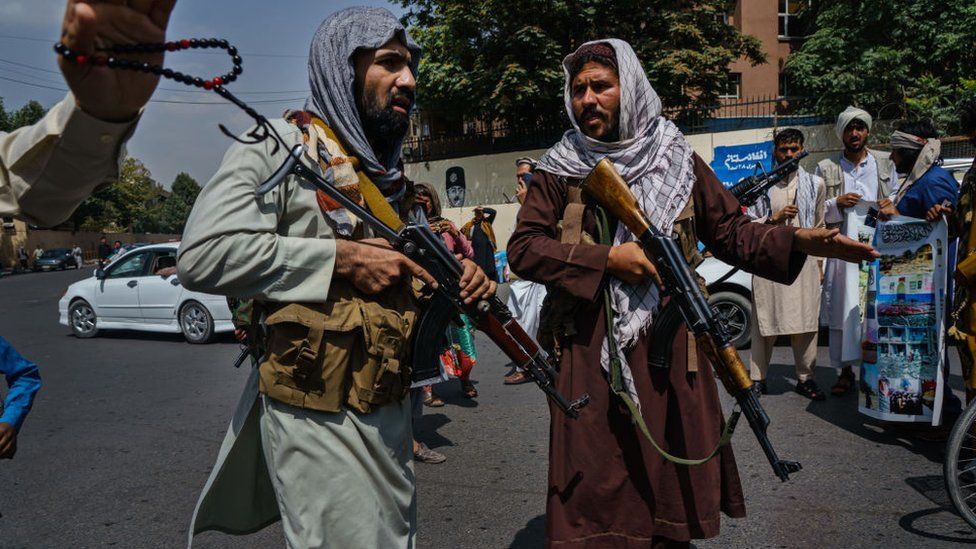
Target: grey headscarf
[331, 75]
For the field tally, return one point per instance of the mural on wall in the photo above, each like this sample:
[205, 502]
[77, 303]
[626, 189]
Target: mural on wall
[732, 163]
[455, 186]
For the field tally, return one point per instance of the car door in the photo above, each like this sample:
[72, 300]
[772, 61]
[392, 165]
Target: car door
[117, 295]
[159, 290]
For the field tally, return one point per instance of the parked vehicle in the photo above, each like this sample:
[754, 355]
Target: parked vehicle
[957, 167]
[140, 291]
[730, 295]
[55, 259]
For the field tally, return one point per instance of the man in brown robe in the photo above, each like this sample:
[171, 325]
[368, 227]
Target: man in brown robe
[608, 487]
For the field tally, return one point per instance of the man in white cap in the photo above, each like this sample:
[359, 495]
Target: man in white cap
[858, 173]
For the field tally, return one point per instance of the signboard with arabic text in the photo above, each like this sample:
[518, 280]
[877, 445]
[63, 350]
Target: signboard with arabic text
[734, 162]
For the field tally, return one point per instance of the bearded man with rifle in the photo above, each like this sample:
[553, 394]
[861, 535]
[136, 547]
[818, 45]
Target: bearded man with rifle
[610, 484]
[789, 310]
[321, 438]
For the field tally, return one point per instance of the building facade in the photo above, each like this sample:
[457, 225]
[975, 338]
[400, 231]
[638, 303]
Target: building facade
[777, 25]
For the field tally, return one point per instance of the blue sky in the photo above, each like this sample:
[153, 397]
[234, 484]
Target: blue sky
[179, 137]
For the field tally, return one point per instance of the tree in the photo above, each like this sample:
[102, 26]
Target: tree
[501, 59]
[895, 58]
[31, 112]
[177, 207]
[131, 203]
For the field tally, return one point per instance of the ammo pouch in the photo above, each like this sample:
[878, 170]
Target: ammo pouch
[353, 350]
[557, 322]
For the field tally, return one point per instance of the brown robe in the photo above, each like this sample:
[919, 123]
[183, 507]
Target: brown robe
[608, 487]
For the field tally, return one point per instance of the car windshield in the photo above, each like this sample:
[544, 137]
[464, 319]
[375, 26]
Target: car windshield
[57, 252]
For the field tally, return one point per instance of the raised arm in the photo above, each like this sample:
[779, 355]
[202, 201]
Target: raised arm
[231, 244]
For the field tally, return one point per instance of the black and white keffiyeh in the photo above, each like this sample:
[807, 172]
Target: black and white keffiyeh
[656, 161]
[806, 201]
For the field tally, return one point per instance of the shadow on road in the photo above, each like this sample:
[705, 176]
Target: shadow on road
[933, 488]
[157, 336]
[532, 535]
[425, 430]
[841, 411]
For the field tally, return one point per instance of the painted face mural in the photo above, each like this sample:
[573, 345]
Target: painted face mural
[455, 186]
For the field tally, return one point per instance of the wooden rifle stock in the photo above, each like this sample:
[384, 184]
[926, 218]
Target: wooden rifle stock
[611, 191]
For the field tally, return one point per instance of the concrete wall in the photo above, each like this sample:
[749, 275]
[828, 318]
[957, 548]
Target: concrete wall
[490, 177]
[67, 239]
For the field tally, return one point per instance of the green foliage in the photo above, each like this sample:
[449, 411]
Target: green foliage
[501, 59]
[177, 207]
[895, 58]
[31, 112]
[131, 203]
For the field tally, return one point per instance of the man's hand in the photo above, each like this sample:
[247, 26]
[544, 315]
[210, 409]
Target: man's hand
[521, 191]
[785, 214]
[629, 263]
[848, 200]
[107, 94]
[8, 441]
[373, 266]
[830, 243]
[935, 212]
[886, 209]
[475, 284]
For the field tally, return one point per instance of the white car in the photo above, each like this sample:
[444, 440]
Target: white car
[730, 295]
[140, 291]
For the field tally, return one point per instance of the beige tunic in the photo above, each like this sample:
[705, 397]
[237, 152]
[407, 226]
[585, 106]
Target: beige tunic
[47, 169]
[333, 474]
[792, 309]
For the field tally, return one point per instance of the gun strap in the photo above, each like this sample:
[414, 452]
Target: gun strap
[616, 374]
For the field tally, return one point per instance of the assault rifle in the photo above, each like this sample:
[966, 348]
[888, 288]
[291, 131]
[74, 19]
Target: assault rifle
[418, 242]
[606, 186]
[750, 189]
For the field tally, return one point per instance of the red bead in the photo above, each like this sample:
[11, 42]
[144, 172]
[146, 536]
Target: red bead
[81, 59]
[217, 81]
[171, 46]
[184, 43]
[100, 60]
[208, 84]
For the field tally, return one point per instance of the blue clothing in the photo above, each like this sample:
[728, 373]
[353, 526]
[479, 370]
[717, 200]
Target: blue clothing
[934, 187]
[23, 380]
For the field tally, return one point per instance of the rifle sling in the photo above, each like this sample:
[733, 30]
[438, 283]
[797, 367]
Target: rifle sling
[616, 373]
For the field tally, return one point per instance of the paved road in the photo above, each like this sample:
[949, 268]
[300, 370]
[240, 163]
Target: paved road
[125, 429]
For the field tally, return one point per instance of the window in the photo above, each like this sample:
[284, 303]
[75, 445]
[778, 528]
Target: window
[785, 85]
[733, 87]
[164, 263]
[132, 265]
[789, 18]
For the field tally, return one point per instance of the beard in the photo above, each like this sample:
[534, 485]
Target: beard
[611, 124]
[384, 127]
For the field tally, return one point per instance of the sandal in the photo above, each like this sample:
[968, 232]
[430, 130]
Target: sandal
[810, 390]
[844, 385]
[468, 390]
[517, 378]
[432, 400]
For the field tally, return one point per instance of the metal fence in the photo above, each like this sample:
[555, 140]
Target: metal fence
[726, 115]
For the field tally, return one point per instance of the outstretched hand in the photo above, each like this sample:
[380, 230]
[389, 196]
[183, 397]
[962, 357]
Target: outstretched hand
[830, 243]
[107, 94]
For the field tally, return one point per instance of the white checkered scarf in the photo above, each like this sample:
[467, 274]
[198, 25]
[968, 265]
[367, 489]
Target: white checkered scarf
[655, 161]
[806, 201]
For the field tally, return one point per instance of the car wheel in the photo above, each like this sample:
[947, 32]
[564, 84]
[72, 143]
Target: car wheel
[196, 323]
[82, 319]
[736, 312]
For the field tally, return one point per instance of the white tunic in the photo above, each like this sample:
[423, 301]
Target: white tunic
[790, 309]
[840, 308]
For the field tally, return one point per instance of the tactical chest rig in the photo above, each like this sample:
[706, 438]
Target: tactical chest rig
[557, 323]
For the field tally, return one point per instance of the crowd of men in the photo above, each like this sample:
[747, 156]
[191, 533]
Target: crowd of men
[321, 438]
